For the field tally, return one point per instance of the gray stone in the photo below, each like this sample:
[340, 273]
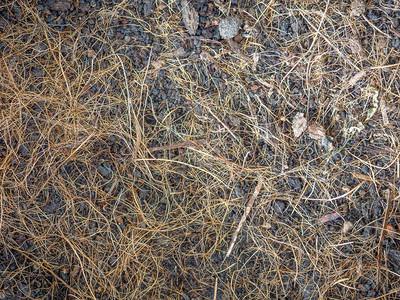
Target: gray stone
[104, 171]
[279, 206]
[229, 27]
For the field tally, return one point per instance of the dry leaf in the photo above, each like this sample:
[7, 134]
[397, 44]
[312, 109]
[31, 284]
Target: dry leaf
[158, 64]
[356, 78]
[355, 45]
[180, 52]
[329, 218]
[317, 70]
[190, 17]
[256, 59]
[299, 124]
[362, 176]
[357, 8]
[316, 131]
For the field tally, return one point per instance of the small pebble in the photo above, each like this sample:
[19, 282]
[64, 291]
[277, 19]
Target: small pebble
[347, 226]
[229, 27]
[279, 207]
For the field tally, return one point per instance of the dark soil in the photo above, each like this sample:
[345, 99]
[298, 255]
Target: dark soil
[129, 150]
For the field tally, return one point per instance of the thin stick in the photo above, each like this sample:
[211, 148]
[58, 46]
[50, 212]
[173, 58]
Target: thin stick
[128, 96]
[246, 213]
[385, 221]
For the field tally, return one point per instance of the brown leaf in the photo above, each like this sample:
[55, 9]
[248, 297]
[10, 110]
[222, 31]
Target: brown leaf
[158, 64]
[190, 17]
[299, 124]
[355, 45]
[316, 131]
[356, 78]
[329, 218]
[357, 8]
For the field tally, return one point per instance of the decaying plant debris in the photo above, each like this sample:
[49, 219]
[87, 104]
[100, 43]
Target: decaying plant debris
[134, 142]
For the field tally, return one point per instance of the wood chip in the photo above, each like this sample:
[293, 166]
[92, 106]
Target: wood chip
[190, 17]
[329, 218]
[299, 124]
[384, 112]
[316, 131]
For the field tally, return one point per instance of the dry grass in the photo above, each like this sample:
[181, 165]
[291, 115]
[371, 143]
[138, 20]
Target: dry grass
[110, 191]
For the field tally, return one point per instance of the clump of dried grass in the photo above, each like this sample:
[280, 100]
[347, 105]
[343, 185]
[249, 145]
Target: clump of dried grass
[98, 201]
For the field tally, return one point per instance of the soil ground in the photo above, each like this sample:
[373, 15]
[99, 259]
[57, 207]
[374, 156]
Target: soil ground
[132, 143]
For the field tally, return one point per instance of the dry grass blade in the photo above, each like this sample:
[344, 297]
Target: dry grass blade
[179, 145]
[389, 198]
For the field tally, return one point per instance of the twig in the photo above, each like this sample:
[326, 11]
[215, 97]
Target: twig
[329, 218]
[385, 221]
[246, 213]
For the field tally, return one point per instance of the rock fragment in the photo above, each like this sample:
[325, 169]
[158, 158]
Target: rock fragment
[229, 27]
